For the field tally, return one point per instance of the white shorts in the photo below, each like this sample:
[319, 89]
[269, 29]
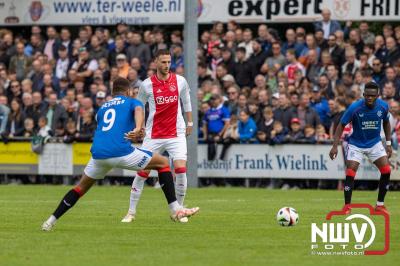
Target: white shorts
[137, 160]
[354, 153]
[176, 147]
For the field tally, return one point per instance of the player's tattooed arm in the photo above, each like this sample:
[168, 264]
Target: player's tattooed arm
[336, 140]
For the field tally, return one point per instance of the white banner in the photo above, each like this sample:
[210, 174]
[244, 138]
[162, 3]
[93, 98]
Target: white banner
[56, 159]
[91, 12]
[284, 11]
[136, 12]
[284, 161]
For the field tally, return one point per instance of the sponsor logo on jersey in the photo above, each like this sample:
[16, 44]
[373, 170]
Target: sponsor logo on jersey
[166, 99]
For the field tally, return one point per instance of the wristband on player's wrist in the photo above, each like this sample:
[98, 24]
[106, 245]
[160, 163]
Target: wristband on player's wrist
[388, 143]
[190, 124]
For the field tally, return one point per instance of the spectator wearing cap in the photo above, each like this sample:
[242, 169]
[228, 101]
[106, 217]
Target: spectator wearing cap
[243, 70]
[247, 127]
[282, 113]
[122, 65]
[63, 63]
[97, 51]
[118, 49]
[100, 99]
[85, 66]
[20, 63]
[137, 48]
[215, 122]
[321, 106]
[328, 25]
[257, 58]
[228, 81]
[177, 56]
[296, 134]
[306, 114]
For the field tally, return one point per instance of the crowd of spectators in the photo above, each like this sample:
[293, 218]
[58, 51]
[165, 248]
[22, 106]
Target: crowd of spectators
[255, 84]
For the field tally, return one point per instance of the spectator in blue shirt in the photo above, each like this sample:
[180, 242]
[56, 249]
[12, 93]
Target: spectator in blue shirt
[328, 25]
[247, 127]
[215, 122]
[321, 106]
[177, 56]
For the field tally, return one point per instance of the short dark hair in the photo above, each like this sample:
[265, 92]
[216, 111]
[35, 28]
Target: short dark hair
[372, 86]
[241, 49]
[120, 85]
[162, 52]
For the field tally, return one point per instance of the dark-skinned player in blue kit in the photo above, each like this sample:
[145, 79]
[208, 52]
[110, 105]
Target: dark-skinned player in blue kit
[367, 117]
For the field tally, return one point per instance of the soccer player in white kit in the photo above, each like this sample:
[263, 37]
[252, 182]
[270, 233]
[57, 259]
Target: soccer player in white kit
[166, 129]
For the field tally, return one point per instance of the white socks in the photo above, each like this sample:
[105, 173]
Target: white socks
[174, 206]
[180, 184]
[52, 219]
[378, 203]
[136, 192]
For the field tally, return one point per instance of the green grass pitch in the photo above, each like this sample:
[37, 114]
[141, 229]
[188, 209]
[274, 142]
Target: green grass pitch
[234, 227]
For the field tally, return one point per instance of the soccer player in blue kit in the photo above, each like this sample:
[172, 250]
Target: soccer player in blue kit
[366, 116]
[111, 149]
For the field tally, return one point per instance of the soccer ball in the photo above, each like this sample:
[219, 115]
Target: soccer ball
[287, 216]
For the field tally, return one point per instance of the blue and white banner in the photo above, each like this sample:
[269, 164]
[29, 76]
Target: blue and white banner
[284, 161]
